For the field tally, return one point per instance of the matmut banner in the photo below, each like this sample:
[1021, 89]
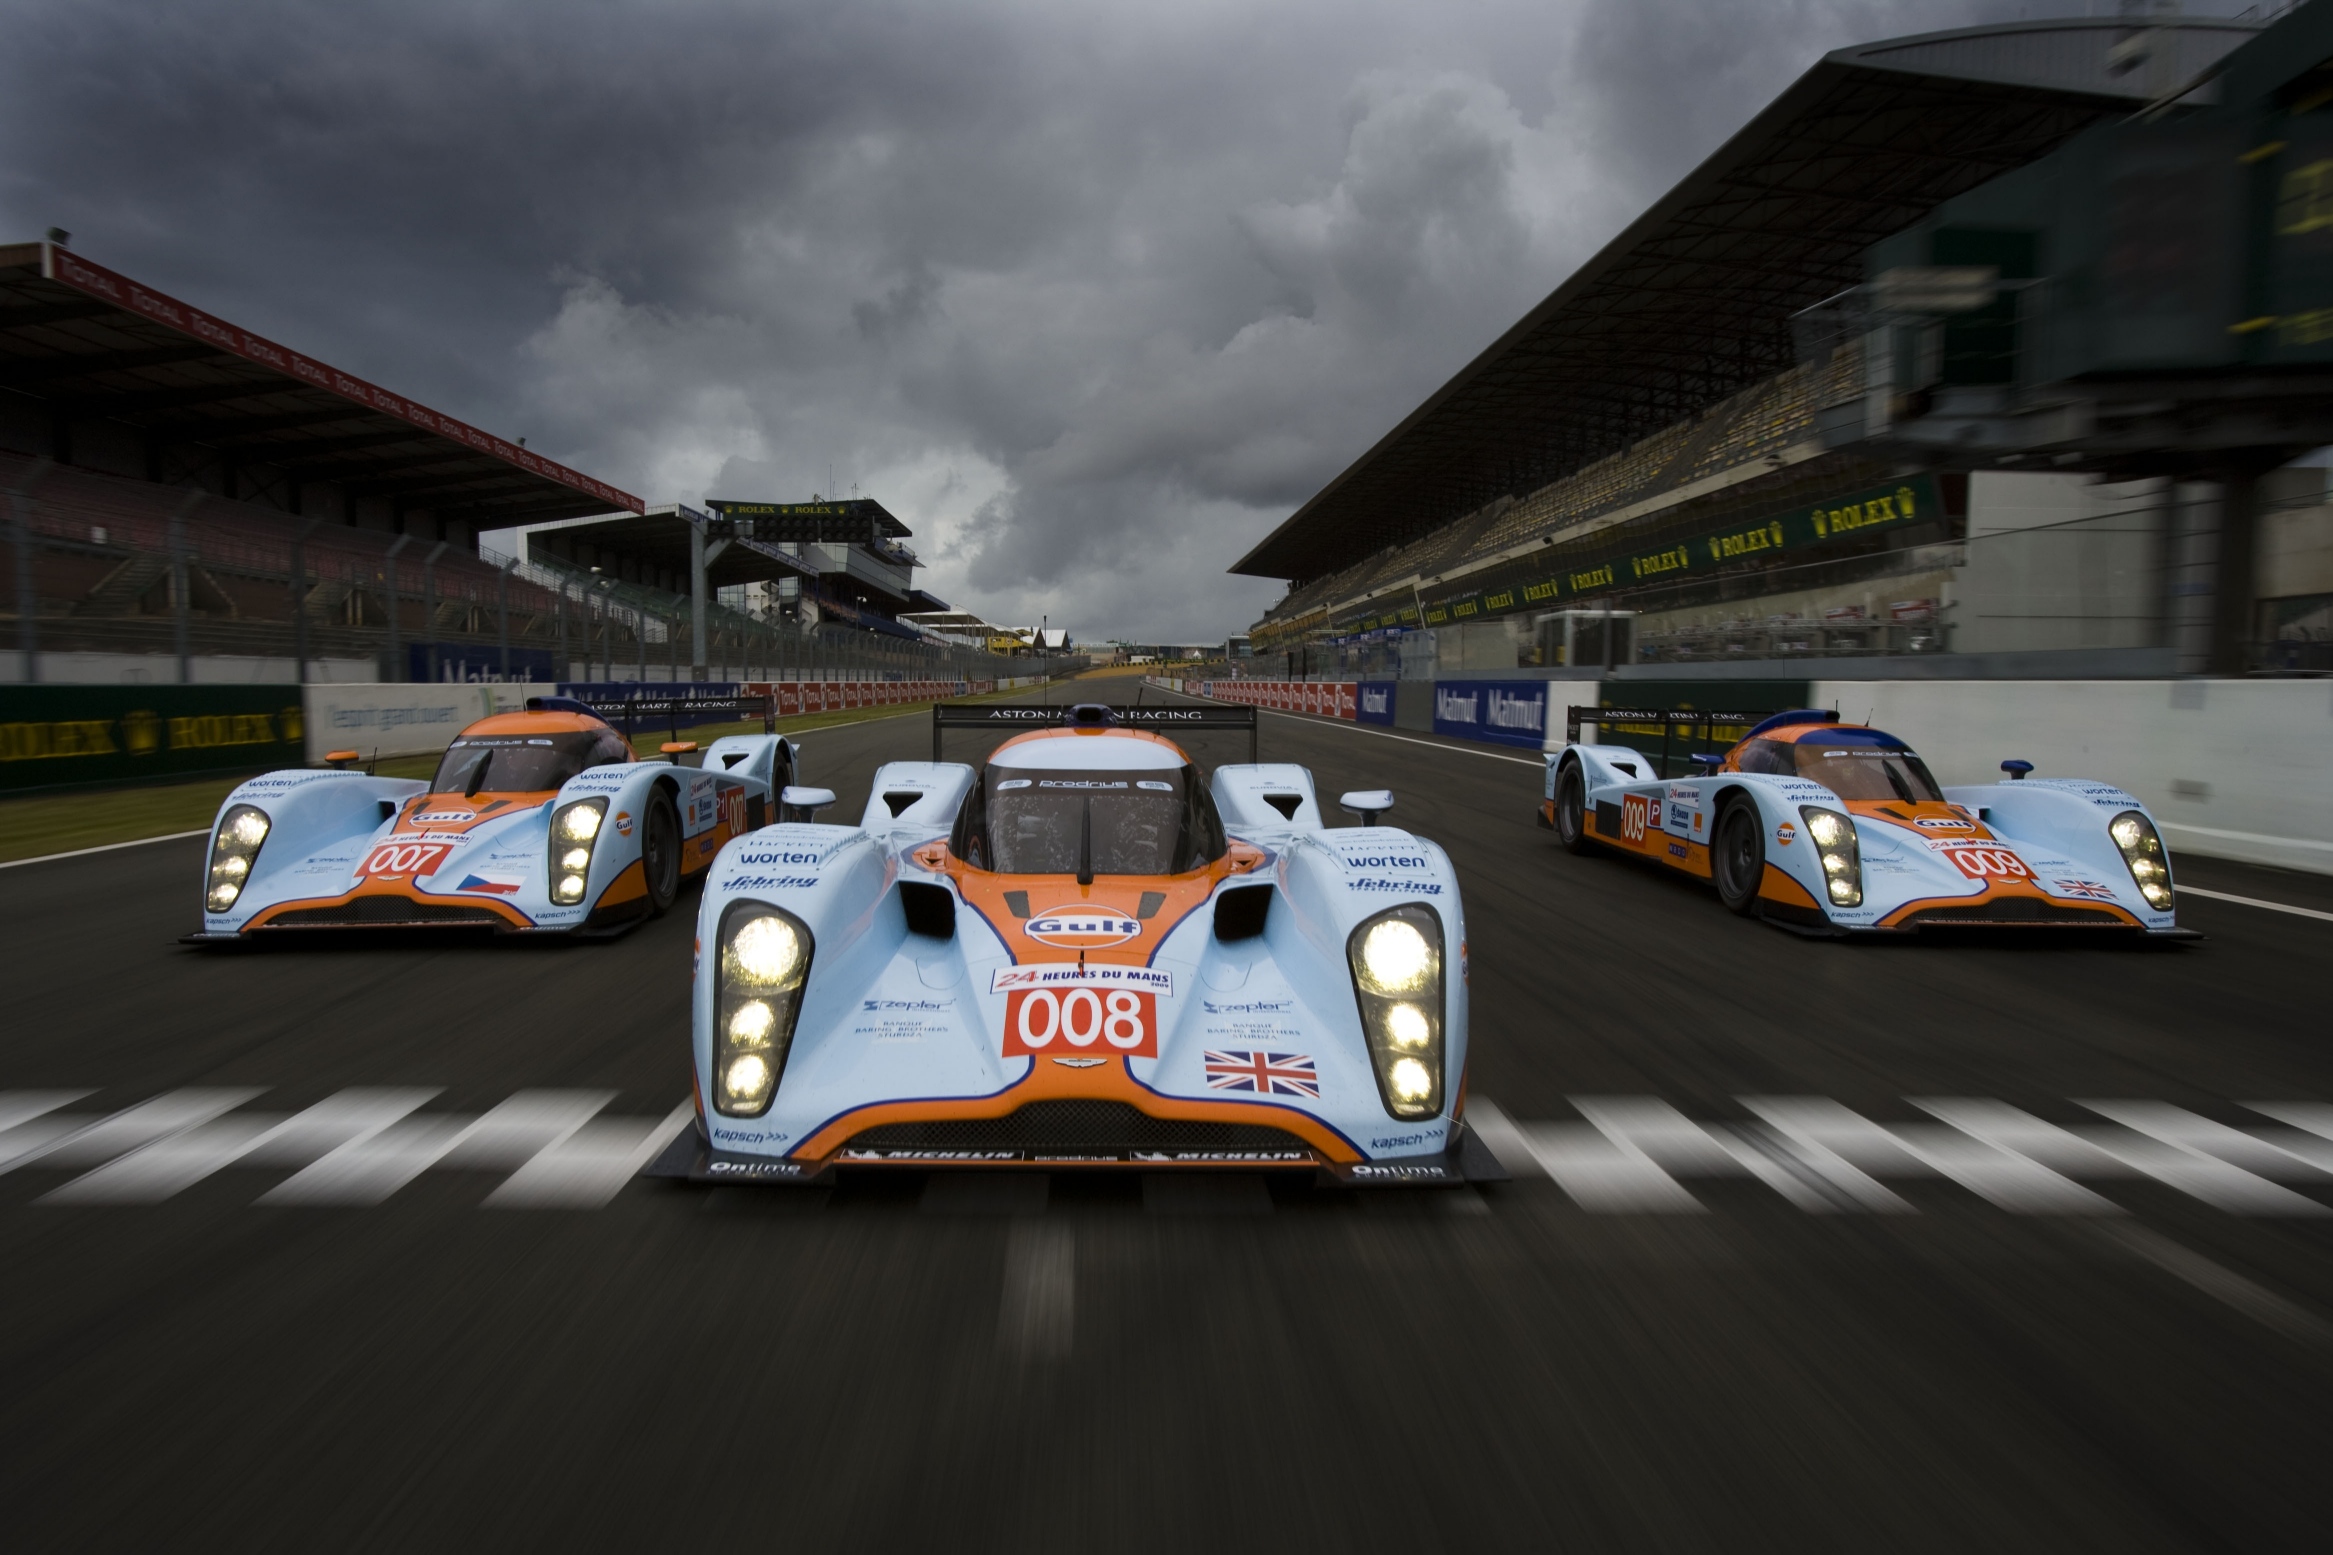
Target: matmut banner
[1321, 698]
[833, 696]
[58, 264]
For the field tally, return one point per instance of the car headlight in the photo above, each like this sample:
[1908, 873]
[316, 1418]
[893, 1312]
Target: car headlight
[1836, 850]
[764, 965]
[574, 831]
[234, 848]
[1396, 960]
[2143, 855]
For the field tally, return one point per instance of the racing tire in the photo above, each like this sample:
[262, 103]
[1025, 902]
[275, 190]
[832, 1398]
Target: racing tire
[660, 853]
[1737, 857]
[1571, 808]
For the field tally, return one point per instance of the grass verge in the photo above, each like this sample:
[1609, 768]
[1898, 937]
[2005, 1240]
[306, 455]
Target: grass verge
[40, 824]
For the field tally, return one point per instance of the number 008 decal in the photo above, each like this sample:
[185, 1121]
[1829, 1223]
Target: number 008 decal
[1080, 1020]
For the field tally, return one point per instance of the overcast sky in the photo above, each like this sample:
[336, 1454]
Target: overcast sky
[1091, 295]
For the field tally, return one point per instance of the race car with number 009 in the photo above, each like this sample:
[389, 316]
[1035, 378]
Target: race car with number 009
[1083, 955]
[537, 822]
[1838, 828]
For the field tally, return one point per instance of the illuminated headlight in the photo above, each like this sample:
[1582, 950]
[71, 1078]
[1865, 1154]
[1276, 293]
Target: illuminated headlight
[2142, 853]
[1834, 839]
[764, 965]
[573, 829]
[1396, 960]
[241, 830]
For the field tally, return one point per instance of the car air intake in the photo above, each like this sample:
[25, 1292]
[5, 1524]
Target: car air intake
[1075, 1125]
[368, 912]
[2015, 912]
[931, 911]
[1240, 914]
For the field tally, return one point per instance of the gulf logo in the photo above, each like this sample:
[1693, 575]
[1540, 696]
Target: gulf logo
[623, 823]
[1081, 928]
[1785, 834]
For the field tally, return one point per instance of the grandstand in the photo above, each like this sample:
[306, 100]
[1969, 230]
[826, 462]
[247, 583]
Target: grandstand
[1684, 432]
[188, 500]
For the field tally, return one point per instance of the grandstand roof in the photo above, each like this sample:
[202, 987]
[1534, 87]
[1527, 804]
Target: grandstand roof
[98, 345]
[1691, 303]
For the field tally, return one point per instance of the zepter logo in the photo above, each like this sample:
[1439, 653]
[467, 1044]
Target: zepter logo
[1081, 928]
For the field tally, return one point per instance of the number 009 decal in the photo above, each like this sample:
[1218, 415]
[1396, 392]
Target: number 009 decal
[1080, 1020]
[1990, 864]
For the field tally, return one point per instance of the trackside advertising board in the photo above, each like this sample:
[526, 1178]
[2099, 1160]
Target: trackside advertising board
[1321, 698]
[403, 720]
[1373, 701]
[1506, 712]
[78, 736]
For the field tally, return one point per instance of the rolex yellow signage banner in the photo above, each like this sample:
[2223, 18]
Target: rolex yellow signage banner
[1898, 505]
[70, 736]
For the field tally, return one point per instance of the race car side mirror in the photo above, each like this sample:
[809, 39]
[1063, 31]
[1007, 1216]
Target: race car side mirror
[801, 804]
[2016, 769]
[1708, 761]
[1366, 803]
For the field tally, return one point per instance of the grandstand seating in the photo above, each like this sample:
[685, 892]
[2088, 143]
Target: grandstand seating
[1760, 421]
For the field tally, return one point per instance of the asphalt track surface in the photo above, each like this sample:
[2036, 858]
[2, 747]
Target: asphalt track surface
[913, 1363]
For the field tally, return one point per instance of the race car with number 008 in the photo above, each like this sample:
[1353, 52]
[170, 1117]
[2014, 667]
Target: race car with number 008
[1083, 955]
[1837, 828]
[537, 822]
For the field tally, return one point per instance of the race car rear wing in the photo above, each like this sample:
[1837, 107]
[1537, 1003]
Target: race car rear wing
[1007, 719]
[1700, 726]
[631, 713]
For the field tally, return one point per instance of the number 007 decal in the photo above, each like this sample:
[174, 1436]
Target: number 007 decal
[1080, 1020]
[405, 858]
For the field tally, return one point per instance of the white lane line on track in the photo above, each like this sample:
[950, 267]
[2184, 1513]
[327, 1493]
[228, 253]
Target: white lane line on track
[139, 842]
[2254, 901]
[2254, 1301]
[1339, 723]
[590, 1165]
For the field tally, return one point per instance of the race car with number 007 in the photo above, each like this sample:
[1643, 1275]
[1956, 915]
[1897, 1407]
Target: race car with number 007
[1837, 828]
[1082, 955]
[537, 822]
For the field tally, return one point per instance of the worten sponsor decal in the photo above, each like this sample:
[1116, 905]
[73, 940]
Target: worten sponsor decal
[1081, 928]
[1385, 861]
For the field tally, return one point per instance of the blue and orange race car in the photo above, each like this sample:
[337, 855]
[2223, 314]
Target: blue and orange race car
[1838, 828]
[537, 822]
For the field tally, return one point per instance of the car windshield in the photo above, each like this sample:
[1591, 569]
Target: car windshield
[522, 764]
[1859, 771]
[1028, 821]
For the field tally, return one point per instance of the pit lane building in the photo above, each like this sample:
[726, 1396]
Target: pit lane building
[1989, 344]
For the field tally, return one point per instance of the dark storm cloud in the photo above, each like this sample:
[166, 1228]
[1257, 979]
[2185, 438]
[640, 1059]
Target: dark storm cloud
[1091, 295]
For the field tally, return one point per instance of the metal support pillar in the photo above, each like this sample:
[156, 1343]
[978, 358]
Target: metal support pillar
[429, 603]
[179, 603]
[2232, 580]
[27, 594]
[502, 617]
[300, 597]
[389, 568]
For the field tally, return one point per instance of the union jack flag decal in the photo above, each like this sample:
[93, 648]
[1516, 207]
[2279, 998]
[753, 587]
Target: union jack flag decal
[1263, 1074]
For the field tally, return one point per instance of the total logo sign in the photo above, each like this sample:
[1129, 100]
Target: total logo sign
[1082, 927]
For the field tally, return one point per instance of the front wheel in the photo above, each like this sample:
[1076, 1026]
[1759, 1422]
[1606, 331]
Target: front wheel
[1571, 808]
[1738, 856]
[660, 853]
